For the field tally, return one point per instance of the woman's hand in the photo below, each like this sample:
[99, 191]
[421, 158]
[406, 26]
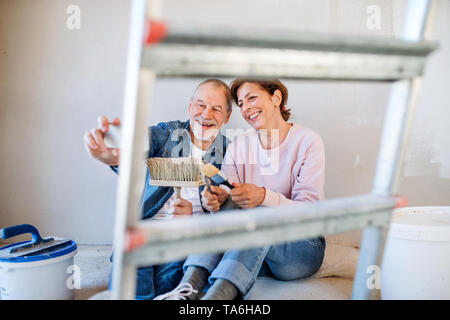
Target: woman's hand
[247, 195]
[212, 201]
[180, 207]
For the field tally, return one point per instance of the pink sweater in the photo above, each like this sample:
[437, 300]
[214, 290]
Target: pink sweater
[294, 171]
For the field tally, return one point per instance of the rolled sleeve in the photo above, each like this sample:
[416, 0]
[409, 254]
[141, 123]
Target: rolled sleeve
[272, 199]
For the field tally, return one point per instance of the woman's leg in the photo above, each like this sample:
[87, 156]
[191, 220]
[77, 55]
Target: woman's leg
[207, 261]
[296, 260]
[288, 261]
[196, 270]
[240, 267]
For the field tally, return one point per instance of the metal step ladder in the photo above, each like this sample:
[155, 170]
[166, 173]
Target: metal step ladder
[195, 52]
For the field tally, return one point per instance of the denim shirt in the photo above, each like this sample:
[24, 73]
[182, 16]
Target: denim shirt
[173, 140]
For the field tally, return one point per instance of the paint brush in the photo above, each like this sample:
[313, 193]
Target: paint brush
[215, 175]
[175, 172]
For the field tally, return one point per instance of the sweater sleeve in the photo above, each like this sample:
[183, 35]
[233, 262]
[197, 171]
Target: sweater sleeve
[309, 183]
[229, 165]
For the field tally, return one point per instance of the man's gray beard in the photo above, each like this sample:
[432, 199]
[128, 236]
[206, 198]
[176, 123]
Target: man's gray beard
[211, 133]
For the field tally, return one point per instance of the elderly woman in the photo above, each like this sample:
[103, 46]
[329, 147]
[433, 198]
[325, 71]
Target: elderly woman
[279, 163]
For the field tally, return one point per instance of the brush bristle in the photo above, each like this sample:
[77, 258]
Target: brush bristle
[175, 169]
[209, 170]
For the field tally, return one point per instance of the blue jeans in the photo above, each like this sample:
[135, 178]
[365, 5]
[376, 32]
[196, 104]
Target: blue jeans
[158, 279]
[155, 280]
[289, 261]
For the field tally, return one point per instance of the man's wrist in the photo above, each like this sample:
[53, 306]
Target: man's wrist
[111, 163]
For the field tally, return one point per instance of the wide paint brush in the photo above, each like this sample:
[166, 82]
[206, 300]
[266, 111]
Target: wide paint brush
[175, 172]
[215, 175]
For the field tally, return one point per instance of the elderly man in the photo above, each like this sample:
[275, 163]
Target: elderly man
[199, 137]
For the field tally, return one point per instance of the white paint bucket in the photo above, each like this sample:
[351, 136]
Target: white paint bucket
[416, 260]
[38, 280]
[39, 269]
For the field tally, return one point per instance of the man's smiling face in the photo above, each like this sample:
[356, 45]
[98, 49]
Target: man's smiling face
[208, 111]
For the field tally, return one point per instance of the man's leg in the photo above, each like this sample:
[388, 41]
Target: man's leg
[167, 276]
[145, 289]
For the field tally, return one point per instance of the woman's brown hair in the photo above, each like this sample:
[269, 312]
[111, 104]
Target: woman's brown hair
[270, 86]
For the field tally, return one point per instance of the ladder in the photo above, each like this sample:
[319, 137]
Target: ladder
[187, 51]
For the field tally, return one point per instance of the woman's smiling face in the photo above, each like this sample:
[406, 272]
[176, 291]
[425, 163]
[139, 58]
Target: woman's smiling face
[257, 106]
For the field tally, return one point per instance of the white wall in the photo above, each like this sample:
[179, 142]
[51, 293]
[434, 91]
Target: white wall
[54, 82]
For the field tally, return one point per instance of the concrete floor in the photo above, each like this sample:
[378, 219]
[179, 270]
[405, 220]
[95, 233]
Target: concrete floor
[95, 267]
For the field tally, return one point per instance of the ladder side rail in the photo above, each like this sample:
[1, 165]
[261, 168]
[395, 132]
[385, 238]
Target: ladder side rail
[130, 171]
[397, 122]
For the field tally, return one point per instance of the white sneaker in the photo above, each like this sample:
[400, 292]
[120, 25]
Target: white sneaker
[182, 291]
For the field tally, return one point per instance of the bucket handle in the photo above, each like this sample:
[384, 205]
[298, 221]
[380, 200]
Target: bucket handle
[13, 231]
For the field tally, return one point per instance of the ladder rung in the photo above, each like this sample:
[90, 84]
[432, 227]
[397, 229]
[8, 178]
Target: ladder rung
[230, 52]
[164, 241]
[175, 60]
[290, 39]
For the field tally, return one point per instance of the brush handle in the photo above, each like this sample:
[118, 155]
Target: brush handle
[219, 179]
[177, 192]
[229, 185]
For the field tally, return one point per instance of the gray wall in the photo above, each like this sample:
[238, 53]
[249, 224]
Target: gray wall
[54, 82]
